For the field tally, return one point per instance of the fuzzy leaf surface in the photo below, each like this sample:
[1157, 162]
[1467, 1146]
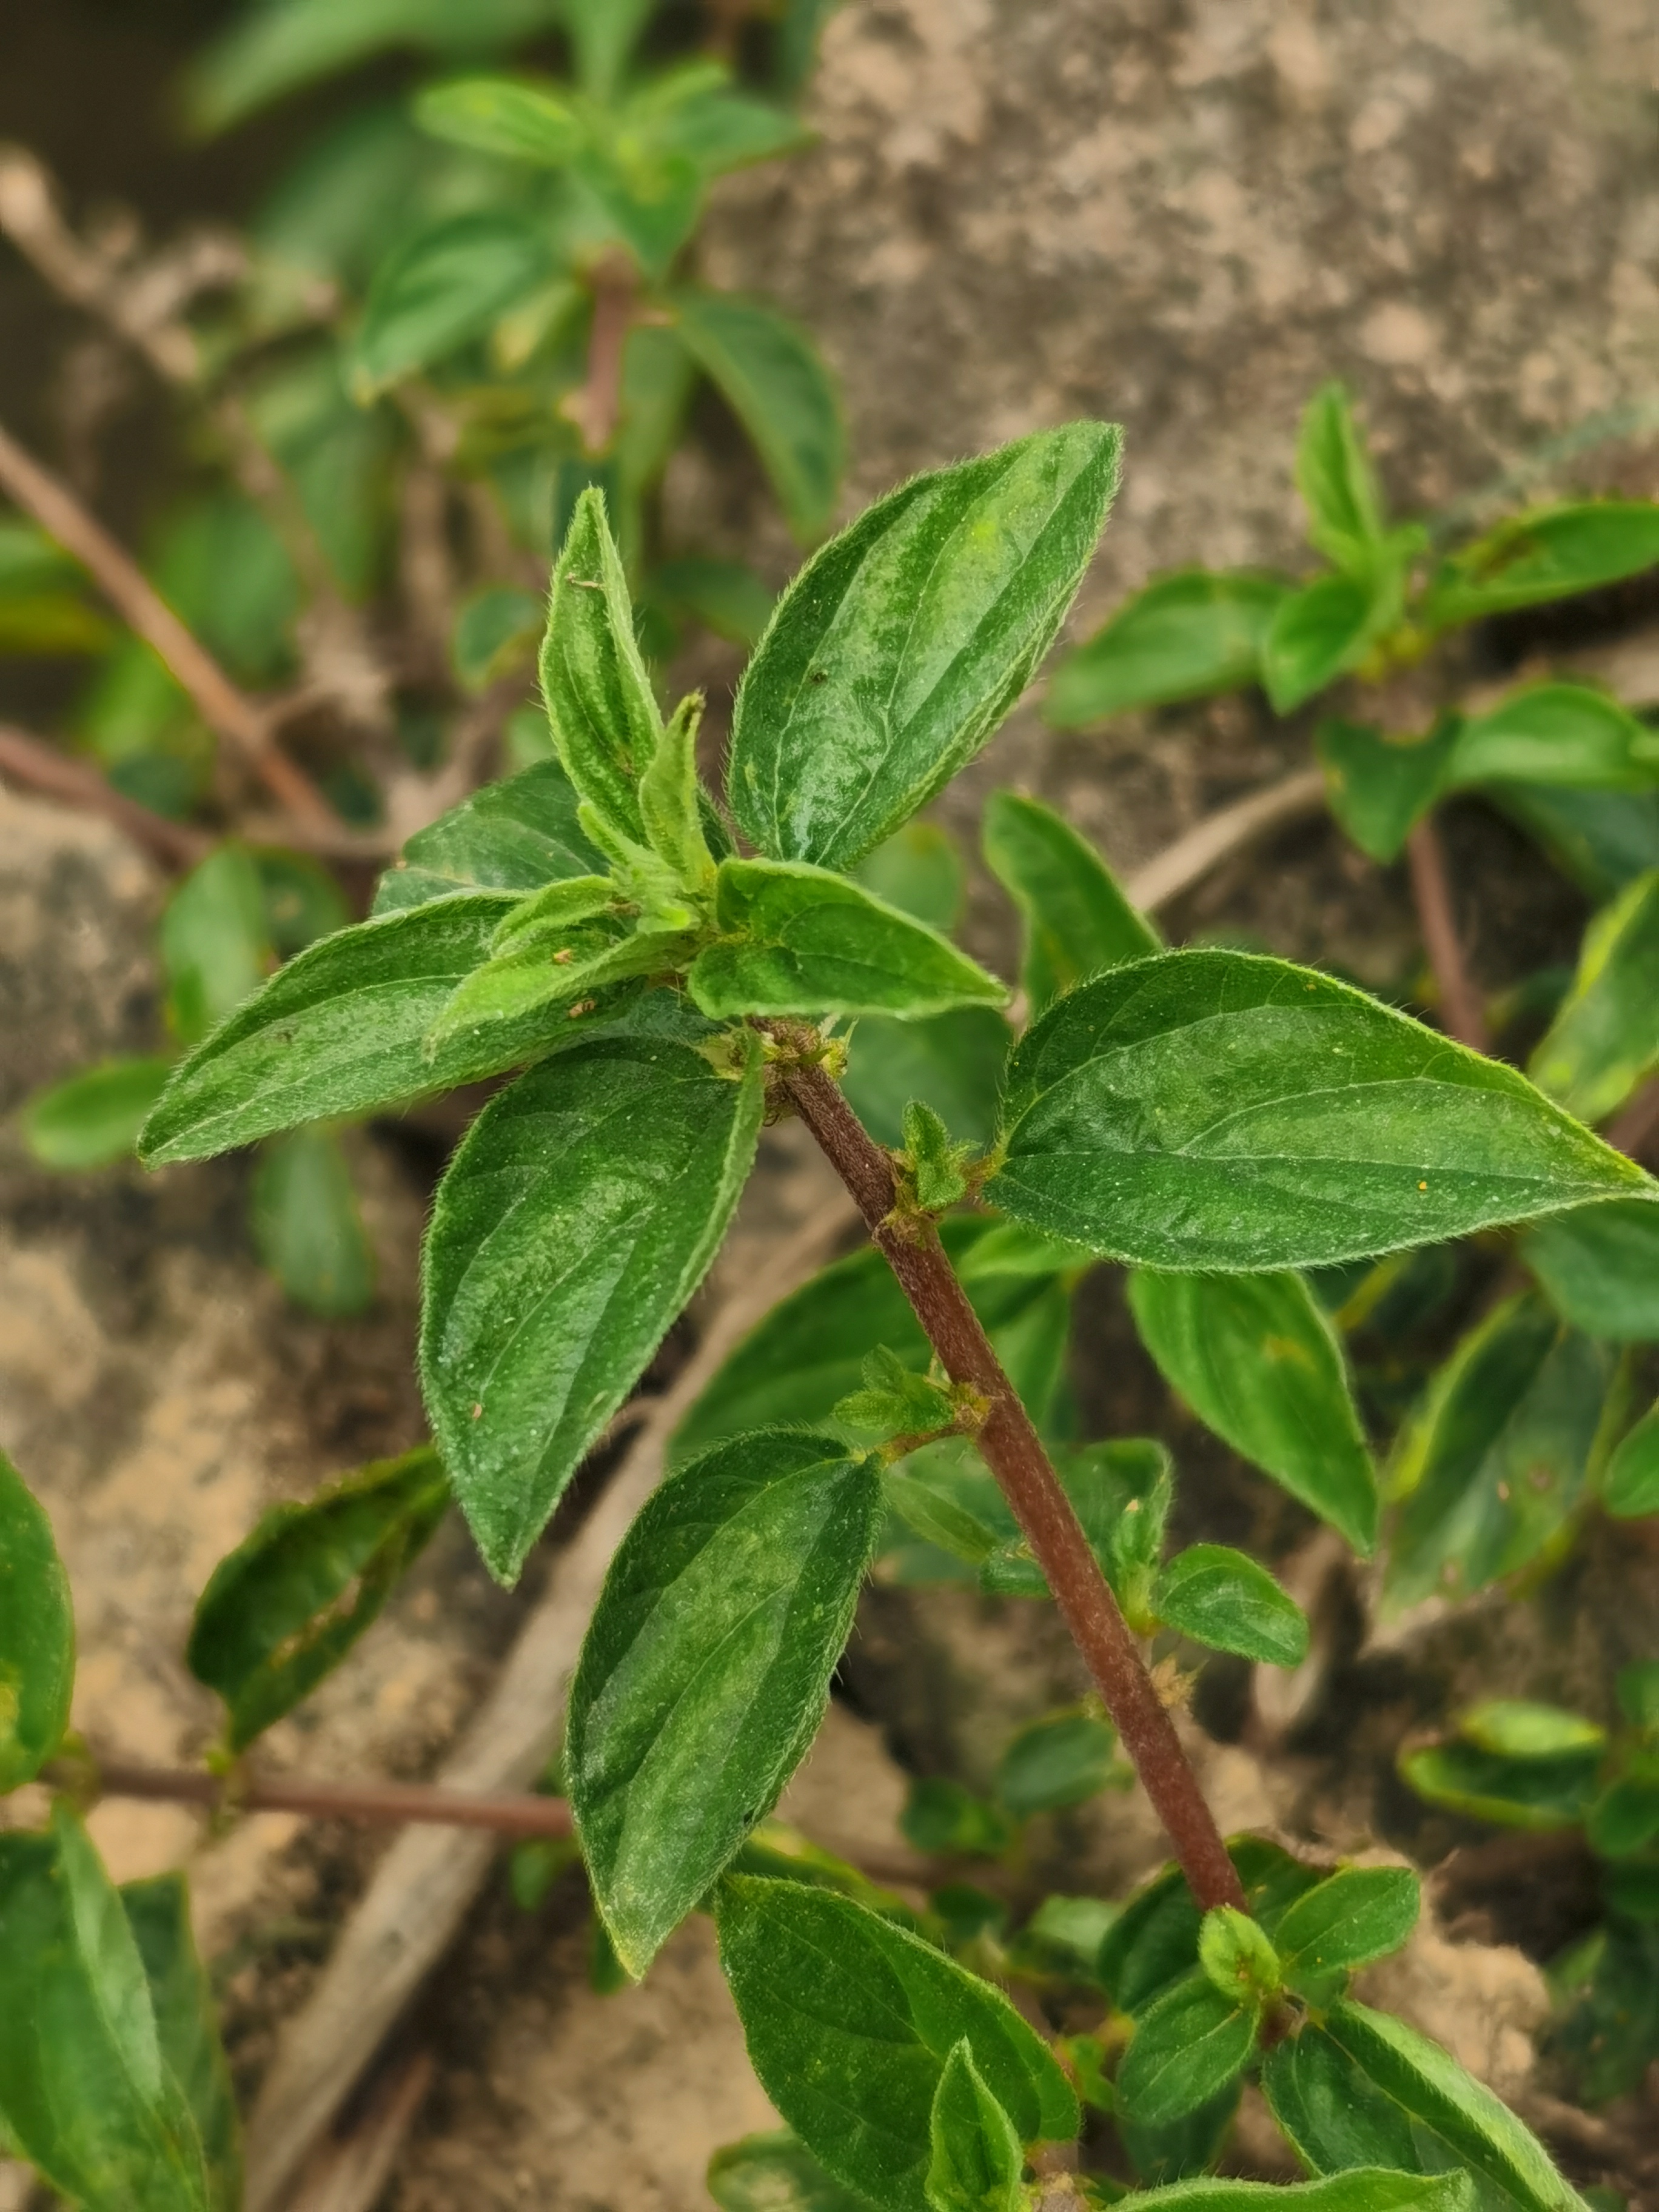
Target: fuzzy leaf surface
[37, 1634]
[805, 941]
[1358, 1914]
[599, 700]
[706, 1668]
[1186, 636]
[1188, 2045]
[1224, 1598]
[1217, 1109]
[1366, 2189]
[901, 645]
[573, 1223]
[849, 2023]
[281, 1611]
[511, 836]
[1077, 921]
[341, 1030]
[976, 2163]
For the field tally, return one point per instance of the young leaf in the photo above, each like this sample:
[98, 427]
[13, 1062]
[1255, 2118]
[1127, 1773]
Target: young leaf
[946, 1495]
[1630, 1487]
[92, 1119]
[599, 701]
[1077, 921]
[669, 798]
[1217, 1109]
[1062, 1760]
[1153, 1942]
[803, 941]
[623, 1160]
[975, 2163]
[548, 917]
[281, 1611]
[1556, 733]
[216, 946]
[1492, 1468]
[1599, 1268]
[511, 836]
[774, 2174]
[1541, 1795]
[901, 646]
[307, 1226]
[1334, 476]
[1434, 2092]
[1548, 554]
[1259, 1361]
[1605, 1039]
[182, 1998]
[518, 120]
[88, 2096]
[771, 375]
[849, 2023]
[953, 1062]
[1380, 787]
[1225, 1599]
[1315, 634]
[444, 285]
[342, 1031]
[706, 1668]
[936, 1162]
[894, 1401]
[1184, 637]
[1359, 1914]
[37, 1636]
[1187, 2047]
[536, 971]
[1237, 1957]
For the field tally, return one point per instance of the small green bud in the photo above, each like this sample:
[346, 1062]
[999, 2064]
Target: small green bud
[1237, 1957]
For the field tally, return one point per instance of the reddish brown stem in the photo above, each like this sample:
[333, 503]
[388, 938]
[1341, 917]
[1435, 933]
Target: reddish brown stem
[238, 719]
[25, 760]
[1461, 1013]
[596, 409]
[1014, 1453]
[383, 1804]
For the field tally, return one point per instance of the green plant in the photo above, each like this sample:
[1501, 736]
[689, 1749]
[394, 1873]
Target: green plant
[452, 313]
[655, 994]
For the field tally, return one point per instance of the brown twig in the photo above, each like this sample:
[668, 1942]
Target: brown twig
[1012, 1451]
[1220, 835]
[596, 407]
[221, 703]
[1461, 1013]
[349, 2174]
[381, 1804]
[25, 760]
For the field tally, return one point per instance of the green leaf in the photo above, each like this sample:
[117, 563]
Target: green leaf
[511, 836]
[774, 2174]
[1380, 787]
[302, 900]
[37, 1636]
[671, 798]
[1077, 921]
[947, 1496]
[1541, 1795]
[513, 117]
[1556, 733]
[1063, 1759]
[1493, 1465]
[1606, 2031]
[92, 1119]
[89, 2097]
[1548, 554]
[306, 1227]
[1188, 2045]
[894, 1401]
[1605, 1038]
[182, 1998]
[1153, 1942]
[800, 940]
[341, 1030]
[705, 1671]
[1516, 1728]
[725, 596]
[920, 871]
[573, 1223]
[945, 1821]
[1359, 1914]
[281, 1611]
[536, 972]
[935, 1162]
[603, 34]
[1624, 1818]
[1216, 1109]
[495, 630]
[976, 2164]
[1222, 1598]
[772, 376]
[1599, 1266]
[649, 200]
[1315, 635]
[1334, 476]
[1434, 2092]
[442, 287]
[953, 1062]
[215, 945]
[1338, 2120]
[1185, 636]
[901, 646]
[1259, 1361]
[849, 2023]
[1600, 839]
[599, 701]
[1237, 1958]
[693, 112]
[1630, 1487]
[1183, 2149]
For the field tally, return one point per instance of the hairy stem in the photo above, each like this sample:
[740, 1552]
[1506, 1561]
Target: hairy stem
[240, 720]
[1014, 1453]
[1461, 1012]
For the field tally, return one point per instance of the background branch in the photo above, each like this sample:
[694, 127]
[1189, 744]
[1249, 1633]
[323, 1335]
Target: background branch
[39, 766]
[1461, 1012]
